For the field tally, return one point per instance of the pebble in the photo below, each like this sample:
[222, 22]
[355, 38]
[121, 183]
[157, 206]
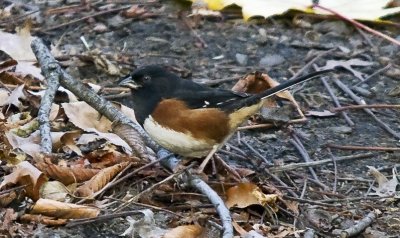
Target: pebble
[241, 59]
[341, 129]
[270, 60]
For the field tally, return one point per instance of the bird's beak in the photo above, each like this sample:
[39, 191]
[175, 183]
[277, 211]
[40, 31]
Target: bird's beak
[128, 82]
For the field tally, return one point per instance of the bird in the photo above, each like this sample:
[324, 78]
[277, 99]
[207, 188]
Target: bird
[190, 119]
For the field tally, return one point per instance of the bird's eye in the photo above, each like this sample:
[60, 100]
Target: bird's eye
[146, 78]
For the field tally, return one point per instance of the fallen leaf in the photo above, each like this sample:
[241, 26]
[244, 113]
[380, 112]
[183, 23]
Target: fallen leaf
[26, 174]
[258, 82]
[143, 227]
[246, 194]
[88, 119]
[66, 141]
[54, 190]
[188, 231]
[64, 174]
[29, 145]
[63, 210]
[14, 97]
[18, 47]
[6, 65]
[324, 113]
[46, 220]
[101, 179]
[348, 64]
[356, 9]
[385, 187]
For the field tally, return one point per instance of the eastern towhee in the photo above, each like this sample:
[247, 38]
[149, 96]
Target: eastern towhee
[190, 119]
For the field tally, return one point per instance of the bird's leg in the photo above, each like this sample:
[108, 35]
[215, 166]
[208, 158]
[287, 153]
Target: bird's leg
[207, 159]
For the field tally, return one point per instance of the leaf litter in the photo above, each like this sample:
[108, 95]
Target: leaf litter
[88, 156]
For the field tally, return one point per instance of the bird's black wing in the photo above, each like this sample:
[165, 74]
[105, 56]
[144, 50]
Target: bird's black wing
[208, 98]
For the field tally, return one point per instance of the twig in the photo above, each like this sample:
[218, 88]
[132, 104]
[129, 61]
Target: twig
[5, 21]
[256, 126]
[87, 17]
[151, 188]
[131, 174]
[353, 199]
[319, 162]
[344, 108]
[207, 159]
[358, 24]
[311, 62]
[373, 75]
[335, 99]
[256, 152]
[216, 200]
[367, 38]
[194, 32]
[359, 227]
[13, 189]
[277, 179]
[357, 147]
[299, 146]
[50, 71]
[359, 101]
[83, 221]
[231, 170]
[312, 202]
[334, 170]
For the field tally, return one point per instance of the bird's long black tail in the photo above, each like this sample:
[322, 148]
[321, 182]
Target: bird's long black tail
[272, 91]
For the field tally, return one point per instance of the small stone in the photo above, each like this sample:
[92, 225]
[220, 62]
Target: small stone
[341, 129]
[100, 28]
[241, 59]
[271, 60]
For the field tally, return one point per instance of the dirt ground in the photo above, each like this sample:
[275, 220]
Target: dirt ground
[220, 50]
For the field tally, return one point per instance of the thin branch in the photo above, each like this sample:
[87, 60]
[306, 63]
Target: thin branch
[216, 200]
[320, 162]
[50, 72]
[385, 106]
[358, 24]
[360, 101]
[357, 147]
[359, 227]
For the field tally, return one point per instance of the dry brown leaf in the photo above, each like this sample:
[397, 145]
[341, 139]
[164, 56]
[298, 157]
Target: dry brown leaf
[54, 190]
[246, 194]
[101, 179]
[85, 117]
[7, 198]
[259, 82]
[13, 98]
[238, 228]
[134, 11]
[8, 64]
[188, 231]
[88, 119]
[348, 64]
[324, 113]
[50, 221]
[29, 145]
[63, 210]
[64, 174]
[66, 141]
[290, 205]
[8, 226]
[18, 47]
[100, 159]
[26, 174]
[386, 187]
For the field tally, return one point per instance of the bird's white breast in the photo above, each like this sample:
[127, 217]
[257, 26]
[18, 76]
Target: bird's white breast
[175, 141]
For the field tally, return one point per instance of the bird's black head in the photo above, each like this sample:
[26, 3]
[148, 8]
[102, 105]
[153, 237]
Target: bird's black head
[150, 77]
